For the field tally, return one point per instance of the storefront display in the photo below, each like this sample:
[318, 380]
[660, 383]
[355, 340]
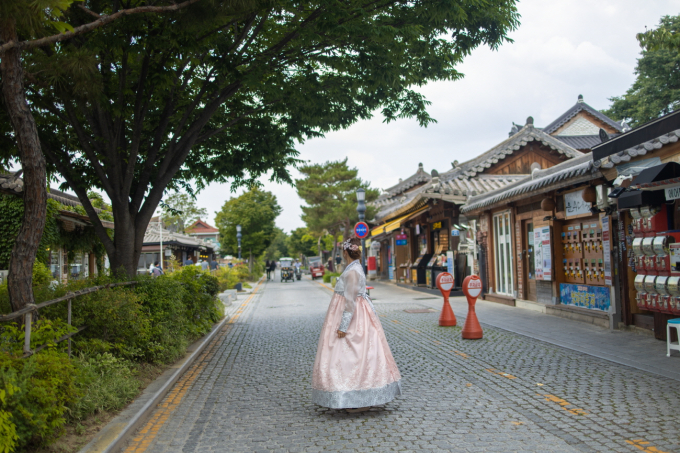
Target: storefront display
[418, 270]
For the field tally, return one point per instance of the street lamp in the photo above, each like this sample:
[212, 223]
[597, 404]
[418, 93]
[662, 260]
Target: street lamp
[361, 210]
[238, 238]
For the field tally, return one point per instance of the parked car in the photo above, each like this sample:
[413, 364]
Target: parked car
[316, 268]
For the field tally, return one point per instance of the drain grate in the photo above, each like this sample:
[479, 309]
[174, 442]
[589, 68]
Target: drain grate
[421, 310]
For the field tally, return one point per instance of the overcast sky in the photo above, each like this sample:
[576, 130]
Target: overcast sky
[562, 48]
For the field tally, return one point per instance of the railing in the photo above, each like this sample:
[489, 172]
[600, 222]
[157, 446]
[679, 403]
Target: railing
[28, 310]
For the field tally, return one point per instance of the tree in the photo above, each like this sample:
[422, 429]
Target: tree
[222, 90]
[329, 190]
[278, 247]
[31, 21]
[180, 211]
[256, 211]
[301, 242]
[656, 91]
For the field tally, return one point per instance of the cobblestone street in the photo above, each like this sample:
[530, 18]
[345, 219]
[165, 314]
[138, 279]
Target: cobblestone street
[250, 391]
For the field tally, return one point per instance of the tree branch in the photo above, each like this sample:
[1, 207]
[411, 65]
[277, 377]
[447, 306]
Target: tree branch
[102, 21]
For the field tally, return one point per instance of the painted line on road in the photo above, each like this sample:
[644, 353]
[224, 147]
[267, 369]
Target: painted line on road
[641, 444]
[563, 403]
[324, 285]
[500, 373]
[146, 435]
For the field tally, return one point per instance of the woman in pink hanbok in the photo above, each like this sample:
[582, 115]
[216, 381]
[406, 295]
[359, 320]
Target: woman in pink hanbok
[354, 368]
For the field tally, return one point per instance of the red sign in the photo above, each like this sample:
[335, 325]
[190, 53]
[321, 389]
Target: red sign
[445, 282]
[472, 286]
[361, 230]
[400, 236]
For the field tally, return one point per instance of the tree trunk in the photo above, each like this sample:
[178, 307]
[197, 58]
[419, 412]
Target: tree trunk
[128, 246]
[250, 262]
[20, 279]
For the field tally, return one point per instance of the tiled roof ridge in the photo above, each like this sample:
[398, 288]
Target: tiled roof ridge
[638, 150]
[507, 147]
[574, 110]
[9, 183]
[579, 166]
[419, 176]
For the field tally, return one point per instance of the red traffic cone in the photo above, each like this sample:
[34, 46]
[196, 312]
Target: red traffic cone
[472, 288]
[445, 283]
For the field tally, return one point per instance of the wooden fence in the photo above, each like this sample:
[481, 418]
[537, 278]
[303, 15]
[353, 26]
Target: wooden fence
[28, 311]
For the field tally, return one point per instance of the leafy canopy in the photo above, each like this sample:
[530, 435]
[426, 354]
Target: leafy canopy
[180, 211]
[222, 90]
[656, 90]
[256, 211]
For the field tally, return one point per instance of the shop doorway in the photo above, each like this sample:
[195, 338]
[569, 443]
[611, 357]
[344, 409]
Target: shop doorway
[503, 254]
[528, 261]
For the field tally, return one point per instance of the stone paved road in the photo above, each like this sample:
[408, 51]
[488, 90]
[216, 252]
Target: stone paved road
[505, 393]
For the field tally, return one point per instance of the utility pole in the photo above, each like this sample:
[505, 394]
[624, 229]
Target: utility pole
[361, 210]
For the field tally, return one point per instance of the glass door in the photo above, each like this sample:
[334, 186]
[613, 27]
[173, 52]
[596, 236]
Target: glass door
[529, 261]
[503, 253]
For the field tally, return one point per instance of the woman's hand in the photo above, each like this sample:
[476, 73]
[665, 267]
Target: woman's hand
[341, 334]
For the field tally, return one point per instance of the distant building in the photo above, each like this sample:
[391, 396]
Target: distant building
[204, 231]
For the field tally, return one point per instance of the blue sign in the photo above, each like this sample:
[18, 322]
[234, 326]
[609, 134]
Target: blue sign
[361, 230]
[455, 232]
[593, 297]
[402, 242]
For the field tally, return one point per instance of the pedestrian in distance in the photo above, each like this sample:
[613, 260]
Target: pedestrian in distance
[214, 265]
[354, 368]
[268, 266]
[205, 265]
[157, 270]
[188, 262]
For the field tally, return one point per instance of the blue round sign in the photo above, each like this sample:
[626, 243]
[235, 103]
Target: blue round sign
[361, 230]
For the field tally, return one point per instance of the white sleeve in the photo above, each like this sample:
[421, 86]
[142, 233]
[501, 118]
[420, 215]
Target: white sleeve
[351, 281]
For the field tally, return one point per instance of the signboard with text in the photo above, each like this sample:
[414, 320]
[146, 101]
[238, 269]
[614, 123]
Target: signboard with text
[574, 206]
[585, 296]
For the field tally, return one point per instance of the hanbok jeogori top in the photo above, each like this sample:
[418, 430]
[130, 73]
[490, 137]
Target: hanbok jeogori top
[351, 284]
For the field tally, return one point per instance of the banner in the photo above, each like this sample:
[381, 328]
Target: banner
[592, 297]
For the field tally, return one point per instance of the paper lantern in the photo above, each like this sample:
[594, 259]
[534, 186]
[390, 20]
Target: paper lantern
[548, 204]
[589, 195]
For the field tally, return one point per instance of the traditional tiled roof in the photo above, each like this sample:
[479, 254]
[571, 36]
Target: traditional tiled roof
[580, 142]
[561, 175]
[506, 148]
[14, 185]
[638, 150]
[579, 107]
[418, 177]
[153, 237]
[201, 227]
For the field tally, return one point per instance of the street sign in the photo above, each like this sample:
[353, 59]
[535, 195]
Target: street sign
[472, 286]
[361, 230]
[445, 282]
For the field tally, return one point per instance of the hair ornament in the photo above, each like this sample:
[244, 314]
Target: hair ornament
[349, 246]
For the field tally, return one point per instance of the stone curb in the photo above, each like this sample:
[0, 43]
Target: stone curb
[113, 436]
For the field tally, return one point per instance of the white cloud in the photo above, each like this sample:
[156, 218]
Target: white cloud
[562, 49]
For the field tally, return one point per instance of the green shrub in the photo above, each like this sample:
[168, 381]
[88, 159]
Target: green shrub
[43, 388]
[202, 309]
[327, 276]
[108, 383]
[163, 300]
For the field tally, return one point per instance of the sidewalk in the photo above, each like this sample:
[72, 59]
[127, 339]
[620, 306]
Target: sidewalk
[622, 347]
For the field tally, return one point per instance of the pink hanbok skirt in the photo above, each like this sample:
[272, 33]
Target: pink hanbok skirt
[357, 370]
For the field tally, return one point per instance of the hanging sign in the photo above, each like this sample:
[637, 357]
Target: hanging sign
[574, 205]
[449, 262]
[455, 232]
[361, 230]
[402, 239]
[606, 251]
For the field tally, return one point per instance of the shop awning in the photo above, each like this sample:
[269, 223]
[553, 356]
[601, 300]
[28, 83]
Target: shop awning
[395, 224]
[659, 177]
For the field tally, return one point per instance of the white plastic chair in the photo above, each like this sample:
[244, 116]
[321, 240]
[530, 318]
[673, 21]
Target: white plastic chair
[672, 324]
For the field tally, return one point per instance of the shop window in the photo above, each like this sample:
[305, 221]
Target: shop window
[503, 253]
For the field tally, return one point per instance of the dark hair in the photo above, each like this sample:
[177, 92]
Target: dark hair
[354, 254]
[156, 263]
